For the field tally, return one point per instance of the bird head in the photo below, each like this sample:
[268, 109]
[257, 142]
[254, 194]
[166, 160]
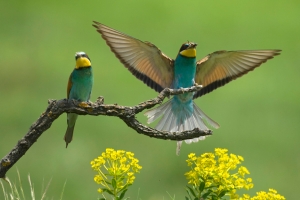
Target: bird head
[82, 60]
[188, 49]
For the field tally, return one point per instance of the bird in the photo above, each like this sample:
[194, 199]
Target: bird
[79, 88]
[158, 71]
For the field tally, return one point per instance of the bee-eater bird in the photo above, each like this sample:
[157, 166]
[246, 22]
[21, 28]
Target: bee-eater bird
[145, 61]
[79, 88]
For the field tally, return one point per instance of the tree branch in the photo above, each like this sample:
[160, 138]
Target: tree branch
[127, 114]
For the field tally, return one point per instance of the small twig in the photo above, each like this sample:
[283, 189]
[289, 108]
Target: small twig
[127, 114]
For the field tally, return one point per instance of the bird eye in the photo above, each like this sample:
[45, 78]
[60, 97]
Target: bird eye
[184, 47]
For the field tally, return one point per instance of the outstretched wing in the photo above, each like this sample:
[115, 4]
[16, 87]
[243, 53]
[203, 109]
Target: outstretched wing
[221, 67]
[143, 59]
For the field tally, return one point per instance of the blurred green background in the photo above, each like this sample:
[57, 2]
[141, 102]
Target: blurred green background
[258, 114]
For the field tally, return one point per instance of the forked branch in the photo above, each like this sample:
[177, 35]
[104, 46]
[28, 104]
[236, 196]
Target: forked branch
[126, 113]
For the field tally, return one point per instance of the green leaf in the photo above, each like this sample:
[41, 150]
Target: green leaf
[108, 191]
[201, 179]
[114, 183]
[215, 197]
[213, 193]
[204, 196]
[124, 188]
[186, 198]
[121, 178]
[191, 191]
[212, 186]
[201, 187]
[123, 194]
[222, 193]
[101, 199]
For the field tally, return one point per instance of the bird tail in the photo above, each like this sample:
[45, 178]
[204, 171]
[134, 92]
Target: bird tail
[182, 120]
[69, 135]
[71, 125]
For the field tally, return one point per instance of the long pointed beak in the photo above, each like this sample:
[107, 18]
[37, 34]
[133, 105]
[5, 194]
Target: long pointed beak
[194, 45]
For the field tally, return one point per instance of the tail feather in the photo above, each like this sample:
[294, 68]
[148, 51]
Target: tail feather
[165, 121]
[182, 120]
[172, 126]
[71, 124]
[199, 119]
[207, 118]
[69, 135]
[178, 147]
[169, 121]
[196, 139]
[188, 124]
[156, 113]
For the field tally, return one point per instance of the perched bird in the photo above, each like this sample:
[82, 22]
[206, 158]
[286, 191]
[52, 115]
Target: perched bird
[79, 88]
[145, 61]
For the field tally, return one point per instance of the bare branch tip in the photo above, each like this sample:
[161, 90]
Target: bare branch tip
[100, 100]
[50, 101]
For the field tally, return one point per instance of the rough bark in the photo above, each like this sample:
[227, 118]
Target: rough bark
[125, 113]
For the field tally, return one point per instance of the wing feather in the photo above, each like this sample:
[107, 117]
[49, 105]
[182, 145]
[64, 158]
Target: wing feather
[69, 86]
[143, 59]
[221, 67]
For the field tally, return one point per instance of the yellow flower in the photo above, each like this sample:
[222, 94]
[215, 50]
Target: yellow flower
[240, 158]
[192, 156]
[98, 179]
[234, 195]
[271, 195]
[115, 169]
[214, 169]
[243, 170]
[246, 196]
[100, 190]
[273, 191]
[220, 152]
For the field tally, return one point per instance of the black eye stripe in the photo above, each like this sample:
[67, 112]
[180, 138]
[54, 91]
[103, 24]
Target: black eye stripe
[187, 45]
[82, 55]
[184, 46]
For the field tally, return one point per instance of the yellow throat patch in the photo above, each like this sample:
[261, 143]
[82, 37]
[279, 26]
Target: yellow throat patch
[191, 53]
[82, 62]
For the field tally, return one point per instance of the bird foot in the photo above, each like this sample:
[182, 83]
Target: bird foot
[84, 105]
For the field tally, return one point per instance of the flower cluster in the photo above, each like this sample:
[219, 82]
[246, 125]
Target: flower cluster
[116, 171]
[271, 195]
[211, 176]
